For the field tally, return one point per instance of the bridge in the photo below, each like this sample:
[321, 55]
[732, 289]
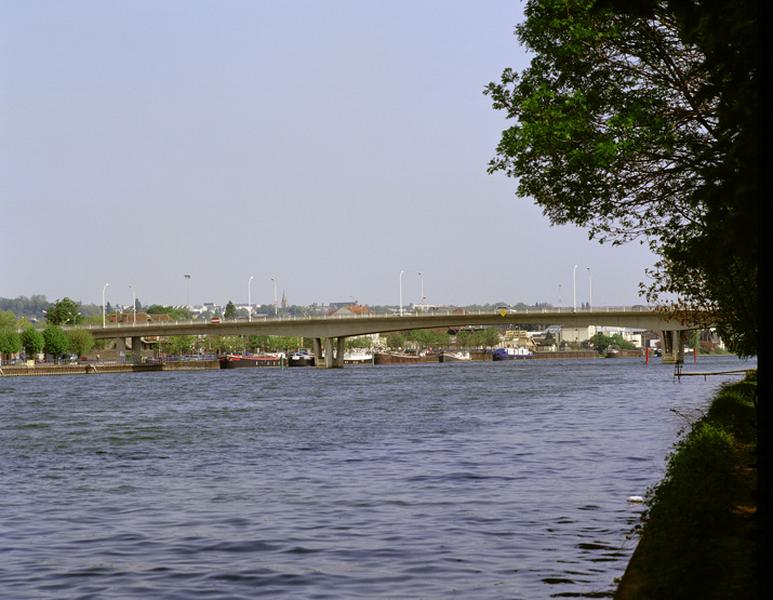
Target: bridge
[329, 333]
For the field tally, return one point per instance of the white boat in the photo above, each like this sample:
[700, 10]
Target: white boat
[512, 353]
[455, 356]
[358, 358]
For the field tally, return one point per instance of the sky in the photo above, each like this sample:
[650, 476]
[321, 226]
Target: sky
[328, 144]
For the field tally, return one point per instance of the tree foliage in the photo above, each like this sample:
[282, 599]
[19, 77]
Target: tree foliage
[7, 319]
[64, 311]
[179, 344]
[10, 342]
[230, 311]
[32, 341]
[640, 121]
[601, 342]
[176, 313]
[81, 341]
[32, 307]
[274, 343]
[55, 340]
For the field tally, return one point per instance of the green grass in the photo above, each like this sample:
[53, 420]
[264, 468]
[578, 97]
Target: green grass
[698, 532]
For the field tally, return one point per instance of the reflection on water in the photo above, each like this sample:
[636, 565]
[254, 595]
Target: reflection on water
[482, 480]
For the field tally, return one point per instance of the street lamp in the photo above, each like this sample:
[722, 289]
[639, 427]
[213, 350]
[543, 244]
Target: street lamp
[134, 305]
[249, 298]
[188, 290]
[104, 288]
[574, 289]
[276, 306]
[590, 289]
[401, 292]
[559, 295]
[421, 282]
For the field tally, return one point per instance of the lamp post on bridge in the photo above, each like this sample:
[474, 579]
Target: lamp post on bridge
[401, 292]
[187, 290]
[574, 289]
[421, 285]
[249, 298]
[590, 289]
[134, 306]
[104, 287]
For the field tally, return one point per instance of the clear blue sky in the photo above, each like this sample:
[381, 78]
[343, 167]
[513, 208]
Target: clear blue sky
[331, 144]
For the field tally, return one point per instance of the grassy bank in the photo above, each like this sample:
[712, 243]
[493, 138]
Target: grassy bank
[698, 537]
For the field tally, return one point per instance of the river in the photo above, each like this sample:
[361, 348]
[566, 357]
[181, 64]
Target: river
[497, 480]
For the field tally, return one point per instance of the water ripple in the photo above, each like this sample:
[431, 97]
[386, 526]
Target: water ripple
[423, 482]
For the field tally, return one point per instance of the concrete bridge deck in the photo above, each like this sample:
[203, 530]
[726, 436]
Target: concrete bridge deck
[329, 333]
[336, 326]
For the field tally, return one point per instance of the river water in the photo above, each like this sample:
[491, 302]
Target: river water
[498, 480]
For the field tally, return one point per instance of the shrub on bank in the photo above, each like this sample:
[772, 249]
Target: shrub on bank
[698, 531]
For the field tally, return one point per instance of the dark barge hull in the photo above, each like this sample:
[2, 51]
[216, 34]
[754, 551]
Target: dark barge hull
[246, 362]
[303, 361]
[388, 358]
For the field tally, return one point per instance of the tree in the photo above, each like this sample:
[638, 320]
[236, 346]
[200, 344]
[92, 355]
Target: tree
[395, 340]
[7, 319]
[32, 341]
[176, 313]
[601, 342]
[179, 344]
[359, 342]
[55, 341]
[64, 311]
[80, 341]
[640, 121]
[224, 344]
[230, 311]
[10, 342]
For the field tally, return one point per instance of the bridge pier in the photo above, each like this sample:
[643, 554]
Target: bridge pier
[135, 345]
[673, 347]
[333, 356]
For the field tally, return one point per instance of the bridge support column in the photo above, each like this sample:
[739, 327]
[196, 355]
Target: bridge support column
[136, 349]
[340, 348]
[333, 351]
[673, 347]
[328, 353]
[316, 348]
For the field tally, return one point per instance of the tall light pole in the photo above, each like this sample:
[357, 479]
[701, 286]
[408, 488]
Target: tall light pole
[421, 282]
[590, 289]
[188, 290]
[276, 306]
[134, 305]
[559, 295]
[104, 288]
[574, 289]
[401, 292]
[249, 298]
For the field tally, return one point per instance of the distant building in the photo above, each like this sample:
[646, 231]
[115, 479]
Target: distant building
[142, 317]
[347, 310]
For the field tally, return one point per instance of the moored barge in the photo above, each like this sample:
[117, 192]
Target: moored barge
[235, 361]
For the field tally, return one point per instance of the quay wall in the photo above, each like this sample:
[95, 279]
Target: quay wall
[97, 368]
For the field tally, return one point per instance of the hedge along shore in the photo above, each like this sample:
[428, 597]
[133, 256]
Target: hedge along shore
[700, 531]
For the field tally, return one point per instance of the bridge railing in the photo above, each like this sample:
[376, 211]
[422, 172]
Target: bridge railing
[406, 313]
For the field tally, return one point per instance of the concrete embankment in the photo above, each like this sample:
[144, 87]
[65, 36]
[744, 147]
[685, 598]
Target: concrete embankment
[97, 368]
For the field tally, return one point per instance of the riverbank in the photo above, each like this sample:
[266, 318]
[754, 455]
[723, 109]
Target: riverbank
[700, 531]
[94, 368]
